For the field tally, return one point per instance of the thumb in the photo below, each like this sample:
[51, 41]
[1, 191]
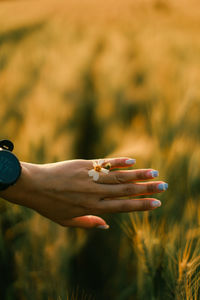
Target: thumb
[86, 222]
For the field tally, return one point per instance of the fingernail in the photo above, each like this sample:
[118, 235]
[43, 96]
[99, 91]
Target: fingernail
[156, 203]
[103, 226]
[163, 186]
[153, 173]
[130, 161]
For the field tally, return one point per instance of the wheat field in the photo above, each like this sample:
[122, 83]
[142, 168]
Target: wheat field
[90, 79]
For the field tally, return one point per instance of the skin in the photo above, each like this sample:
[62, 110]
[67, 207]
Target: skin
[64, 193]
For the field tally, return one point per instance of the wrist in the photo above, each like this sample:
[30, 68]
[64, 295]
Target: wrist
[20, 192]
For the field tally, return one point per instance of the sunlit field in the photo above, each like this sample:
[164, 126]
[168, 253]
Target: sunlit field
[90, 79]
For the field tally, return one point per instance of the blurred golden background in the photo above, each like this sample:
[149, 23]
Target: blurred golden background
[90, 79]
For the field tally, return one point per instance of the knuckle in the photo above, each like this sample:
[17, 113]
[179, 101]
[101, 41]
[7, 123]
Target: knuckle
[140, 175]
[128, 190]
[88, 206]
[119, 178]
[146, 205]
[151, 188]
[97, 190]
[121, 161]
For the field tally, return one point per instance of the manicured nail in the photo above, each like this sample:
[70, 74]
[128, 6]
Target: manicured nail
[130, 161]
[163, 186]
[156, 203]
[153, 173]
[103, 226]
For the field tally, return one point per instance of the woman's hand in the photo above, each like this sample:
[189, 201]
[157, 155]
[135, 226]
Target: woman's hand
[66, 194]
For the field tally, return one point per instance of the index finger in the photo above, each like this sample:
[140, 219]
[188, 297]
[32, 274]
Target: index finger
[119, 162]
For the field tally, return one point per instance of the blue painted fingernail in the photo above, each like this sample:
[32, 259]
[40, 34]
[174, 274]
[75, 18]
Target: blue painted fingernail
[130, 161]
[154, 173]
[103, 226]
[163, 186]
[155, 203]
